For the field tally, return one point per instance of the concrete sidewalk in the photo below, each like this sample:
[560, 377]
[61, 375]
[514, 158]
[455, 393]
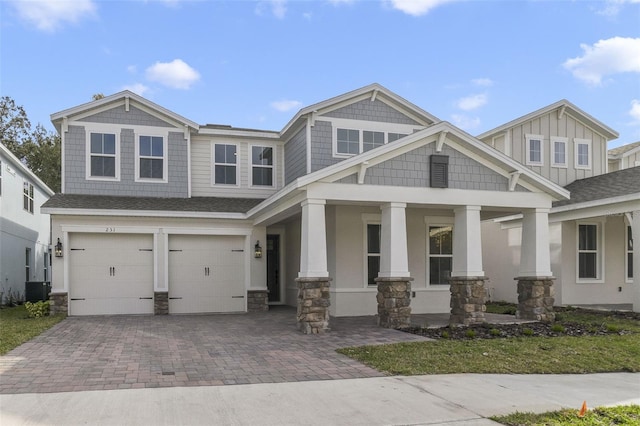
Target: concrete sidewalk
[461, 399]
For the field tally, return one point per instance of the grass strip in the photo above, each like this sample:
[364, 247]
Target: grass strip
[16, 327]
[620, 415]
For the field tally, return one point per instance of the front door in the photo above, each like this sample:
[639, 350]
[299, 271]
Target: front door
[273, 268]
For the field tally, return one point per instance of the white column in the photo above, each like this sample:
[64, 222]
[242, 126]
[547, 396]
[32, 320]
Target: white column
[535, 260]
[467, 243]
[635, 233]
[313, 244]
[393, 235]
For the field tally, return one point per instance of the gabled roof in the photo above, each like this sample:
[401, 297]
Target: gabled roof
[620, 183]
[563, 107]
[624, 150]
[17, 163]
[118, 99]
[375, 91]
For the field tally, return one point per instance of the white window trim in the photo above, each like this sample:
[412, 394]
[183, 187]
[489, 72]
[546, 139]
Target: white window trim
[360, 126]
[213, 165]
[109, 130]
[626, 254]
[165, 156]
[529, 137]
[600, 265]
[434, 221]
[274, 152]
[552, 151]
[31, 198]
[576, 143]
[368, 219]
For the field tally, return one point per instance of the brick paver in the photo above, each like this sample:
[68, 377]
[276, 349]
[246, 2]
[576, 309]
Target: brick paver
[128, 352]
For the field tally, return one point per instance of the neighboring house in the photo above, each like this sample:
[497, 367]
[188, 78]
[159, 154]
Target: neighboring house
[24, 229]
[624, 156]
[591, 246]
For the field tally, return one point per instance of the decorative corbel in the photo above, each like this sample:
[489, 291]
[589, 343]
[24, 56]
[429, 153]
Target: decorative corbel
[126, 103]
[561, 112]
[374, 94]
[186, 131]
[361, 173]
[65, 124]
[440, 143]
[513, 180]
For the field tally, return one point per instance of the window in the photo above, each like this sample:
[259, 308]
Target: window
[371, 140]
[27, 264]
[262, 166]
[583, 153]
[46, 266]
[348, 141]
[27, 196]
[588, 253]
[559, 146]
[224, 164]
[392, 137]
[373, 252]
[151, 158]
[440, 254]
[629, 254]
[534, 151]
[103, 155]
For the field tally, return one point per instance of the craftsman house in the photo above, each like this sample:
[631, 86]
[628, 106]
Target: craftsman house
[362, 204]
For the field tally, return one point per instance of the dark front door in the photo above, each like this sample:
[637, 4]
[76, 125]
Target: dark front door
[273, 268]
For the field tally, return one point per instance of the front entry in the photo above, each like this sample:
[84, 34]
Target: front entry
[273, 268]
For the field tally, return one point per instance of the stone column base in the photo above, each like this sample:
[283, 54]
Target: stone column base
[257, 300]
[161, 303]
[313, 304]
[467, 300]
[394, 302]
[58, 303]
[536, 296]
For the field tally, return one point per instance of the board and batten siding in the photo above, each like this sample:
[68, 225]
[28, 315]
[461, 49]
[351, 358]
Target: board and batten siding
[202, 169]
[549, 125]
[295, 156]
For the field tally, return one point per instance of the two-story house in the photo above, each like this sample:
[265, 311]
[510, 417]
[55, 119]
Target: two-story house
[591, 245]
[362, 204]
[24, 229]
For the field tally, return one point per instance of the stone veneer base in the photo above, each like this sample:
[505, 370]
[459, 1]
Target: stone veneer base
[161, 303]
[313, 304]
[58, 303]
[394, 301]
[257, 300]
[536, 296]
[467, 300]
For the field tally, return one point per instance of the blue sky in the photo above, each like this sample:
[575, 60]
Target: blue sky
[477, 64]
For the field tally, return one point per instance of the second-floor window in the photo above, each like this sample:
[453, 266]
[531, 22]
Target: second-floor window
[534, 150]
[261, 166]
[27, 196]
[151, 158]
[559, 146]
[354, 141]
[103, 155]
[225, 164]
[583, 153]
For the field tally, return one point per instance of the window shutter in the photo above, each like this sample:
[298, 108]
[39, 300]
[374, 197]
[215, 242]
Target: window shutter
[439, 171]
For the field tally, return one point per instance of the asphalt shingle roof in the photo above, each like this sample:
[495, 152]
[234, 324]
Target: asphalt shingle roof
[608, 185]
[624, 148]
[194, 204]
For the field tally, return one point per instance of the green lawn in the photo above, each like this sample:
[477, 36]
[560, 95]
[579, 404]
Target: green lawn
[621, 415]
[16, 327]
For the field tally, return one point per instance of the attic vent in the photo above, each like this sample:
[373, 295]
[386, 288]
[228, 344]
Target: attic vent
[439, 171]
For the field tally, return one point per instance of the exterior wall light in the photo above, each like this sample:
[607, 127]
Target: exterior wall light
[58, 249]
[257, 250]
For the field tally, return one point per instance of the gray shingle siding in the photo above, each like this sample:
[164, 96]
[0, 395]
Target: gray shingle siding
[371, 111]
[75, 168]
[118, 115]
[412, 170]
[321, 146]
[295, 157]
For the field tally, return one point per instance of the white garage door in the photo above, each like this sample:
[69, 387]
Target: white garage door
[110, 274]
[206, 274]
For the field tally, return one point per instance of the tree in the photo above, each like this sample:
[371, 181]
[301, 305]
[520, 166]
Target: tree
[39, 149]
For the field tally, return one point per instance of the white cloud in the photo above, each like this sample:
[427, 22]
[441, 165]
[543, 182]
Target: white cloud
[612, 7]
[138, 88]
[483, 82]
[50, 15]
[277, 7]
[417, 7]
[611, 56]
[634, 112]
[176, 74]
[465, 122]
[472, 102]
[285, 105]
[132, 69]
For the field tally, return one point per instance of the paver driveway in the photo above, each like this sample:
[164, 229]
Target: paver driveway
[123, 352]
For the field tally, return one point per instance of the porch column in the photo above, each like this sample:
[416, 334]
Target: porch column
[635, 234]
[313, 279]
[467, 276]
[535, 280]
[394, 281]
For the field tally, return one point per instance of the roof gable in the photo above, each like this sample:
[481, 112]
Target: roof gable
[624, 150]
[11, 158]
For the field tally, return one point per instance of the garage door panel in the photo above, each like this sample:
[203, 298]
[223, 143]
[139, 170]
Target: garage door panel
[107, 306]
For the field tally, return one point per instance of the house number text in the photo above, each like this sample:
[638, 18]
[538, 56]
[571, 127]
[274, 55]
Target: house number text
[110, 230]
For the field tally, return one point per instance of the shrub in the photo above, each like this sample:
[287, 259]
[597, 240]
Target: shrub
[38, 309]
[470, 334]
[444, 334]
[612, 328]
[558, 328]
[494, 332]
[527, 332]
